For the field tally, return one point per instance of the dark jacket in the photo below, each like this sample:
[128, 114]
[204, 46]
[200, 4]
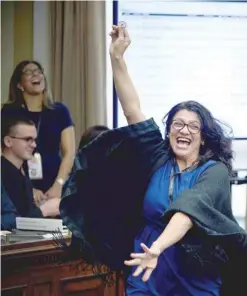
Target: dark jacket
[8, 211]
[102, 201]
[16, 196]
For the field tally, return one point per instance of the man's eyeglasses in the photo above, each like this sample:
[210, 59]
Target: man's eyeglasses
[193, 127]
[29, 140]
[30, 72]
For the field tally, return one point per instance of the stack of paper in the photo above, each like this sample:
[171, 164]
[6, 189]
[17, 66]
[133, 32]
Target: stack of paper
[39, 224]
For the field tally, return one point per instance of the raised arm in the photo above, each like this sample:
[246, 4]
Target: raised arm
[126, 91]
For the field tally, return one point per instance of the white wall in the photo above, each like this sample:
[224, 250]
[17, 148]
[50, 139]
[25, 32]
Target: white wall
[41, 35]
[109, 78]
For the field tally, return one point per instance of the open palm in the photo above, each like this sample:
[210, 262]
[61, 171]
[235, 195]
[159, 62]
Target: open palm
[146, 262]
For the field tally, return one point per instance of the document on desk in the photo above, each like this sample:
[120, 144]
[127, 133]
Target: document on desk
[40, 224]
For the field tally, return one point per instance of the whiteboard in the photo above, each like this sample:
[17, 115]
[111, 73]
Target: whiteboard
[188, 51]
[239, 148]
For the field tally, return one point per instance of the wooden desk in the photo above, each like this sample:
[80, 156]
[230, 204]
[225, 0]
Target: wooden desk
[42, 269]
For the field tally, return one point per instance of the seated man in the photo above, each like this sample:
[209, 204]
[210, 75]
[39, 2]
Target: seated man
[18, 143]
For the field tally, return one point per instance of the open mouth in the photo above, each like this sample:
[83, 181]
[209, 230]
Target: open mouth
[36, 82]
[183, 142]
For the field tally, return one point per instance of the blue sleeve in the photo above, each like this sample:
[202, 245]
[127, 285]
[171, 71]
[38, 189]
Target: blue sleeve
[8, 211]
[64, 116]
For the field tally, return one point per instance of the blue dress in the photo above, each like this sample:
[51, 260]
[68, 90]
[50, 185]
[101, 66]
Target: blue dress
[174, 275]
[52, 123]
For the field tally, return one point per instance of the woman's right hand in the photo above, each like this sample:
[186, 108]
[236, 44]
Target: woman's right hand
[50, 208]
[146, 262]
[120, 41]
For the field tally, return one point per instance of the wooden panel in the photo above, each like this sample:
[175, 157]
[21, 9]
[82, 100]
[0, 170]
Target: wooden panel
[120, 284]
[15, 291]
[42, 269]
[42, 289]
[82, 286]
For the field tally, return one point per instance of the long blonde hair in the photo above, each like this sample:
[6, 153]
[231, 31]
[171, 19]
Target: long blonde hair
[15, 94]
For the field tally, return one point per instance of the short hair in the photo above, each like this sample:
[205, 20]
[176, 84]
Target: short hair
[92, 133]
[8, 123]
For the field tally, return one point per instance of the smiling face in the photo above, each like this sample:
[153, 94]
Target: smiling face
[21, 141]
[32, 80]
[185, 135]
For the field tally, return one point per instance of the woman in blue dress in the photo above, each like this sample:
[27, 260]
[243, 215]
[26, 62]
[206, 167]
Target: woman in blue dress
[167, 201]
[161, 264]
[29, 96]
[169, 274]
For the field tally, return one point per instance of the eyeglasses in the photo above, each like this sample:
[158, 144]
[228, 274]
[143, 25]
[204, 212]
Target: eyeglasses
[30, 72]
[29, 140]
[193, 127]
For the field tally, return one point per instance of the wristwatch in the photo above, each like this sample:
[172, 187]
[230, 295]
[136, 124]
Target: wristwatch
[60, 181]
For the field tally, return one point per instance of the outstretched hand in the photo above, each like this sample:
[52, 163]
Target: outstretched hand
[120, 41]
[146, 262]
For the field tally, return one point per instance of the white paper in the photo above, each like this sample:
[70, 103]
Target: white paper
[40, 224]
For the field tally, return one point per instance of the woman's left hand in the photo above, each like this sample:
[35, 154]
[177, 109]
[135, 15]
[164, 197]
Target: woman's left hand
[146, 262]
[38, 196]
[55, 191]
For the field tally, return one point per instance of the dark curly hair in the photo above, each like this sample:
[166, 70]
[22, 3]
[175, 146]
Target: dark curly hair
[217, 140]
